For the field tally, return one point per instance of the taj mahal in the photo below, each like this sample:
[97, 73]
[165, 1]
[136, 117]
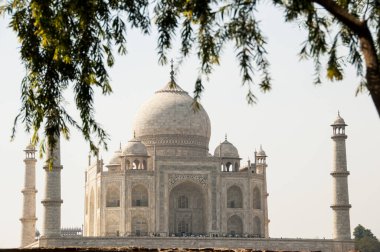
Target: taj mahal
[166, 188]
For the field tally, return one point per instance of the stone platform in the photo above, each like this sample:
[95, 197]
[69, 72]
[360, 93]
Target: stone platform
[259, 244]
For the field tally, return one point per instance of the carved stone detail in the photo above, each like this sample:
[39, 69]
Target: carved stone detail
[145, 182]
[179, 139]
[238, 183]
[176, 179]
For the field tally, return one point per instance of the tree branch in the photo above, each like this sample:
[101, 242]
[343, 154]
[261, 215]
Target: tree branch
[361, 30]
[342, 15]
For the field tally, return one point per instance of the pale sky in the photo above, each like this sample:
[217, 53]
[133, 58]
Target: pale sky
[292, 122]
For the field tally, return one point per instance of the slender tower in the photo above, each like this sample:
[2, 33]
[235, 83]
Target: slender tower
[51, 226]
[261, 167]
[341, 206]
[28, 220]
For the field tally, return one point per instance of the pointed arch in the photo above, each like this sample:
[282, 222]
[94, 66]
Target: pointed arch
[113, 196]
[140, 197]
[92, 214]
[229, 166]
[234, 225]
[187, 211]
[234, 197]
[257, 227]
[136, 164]
[256, 198]
[112, 225]
[139, 226]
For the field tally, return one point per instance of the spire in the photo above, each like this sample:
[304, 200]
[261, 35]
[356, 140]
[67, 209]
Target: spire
[172, 71]
[171, 86]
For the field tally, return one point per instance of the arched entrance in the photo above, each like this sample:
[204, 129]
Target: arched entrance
[187, 208]
[92, 214]
[234, 225]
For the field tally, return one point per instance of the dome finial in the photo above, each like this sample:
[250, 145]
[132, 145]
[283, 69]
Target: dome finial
[339, 120]
[225, 137]
[261, 152]
[120, 146]
[134, 134]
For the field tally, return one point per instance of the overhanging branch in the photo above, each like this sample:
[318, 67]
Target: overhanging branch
[342, 15]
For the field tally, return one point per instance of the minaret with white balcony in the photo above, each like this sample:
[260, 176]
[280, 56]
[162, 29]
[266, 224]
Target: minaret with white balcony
[341, 206]
[28, 219]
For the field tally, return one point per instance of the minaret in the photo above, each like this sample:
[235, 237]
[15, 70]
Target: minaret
[51, 226]
[28, 220]
[341, 205]
[261, 165]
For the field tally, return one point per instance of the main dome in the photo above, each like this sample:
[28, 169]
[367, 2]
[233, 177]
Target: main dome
[167, 119]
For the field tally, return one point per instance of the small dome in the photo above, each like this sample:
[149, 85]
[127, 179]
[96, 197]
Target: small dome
[226, 150]
[116, 158]
[30, 147]
[261, 152]
[135, 148]
[339, 120]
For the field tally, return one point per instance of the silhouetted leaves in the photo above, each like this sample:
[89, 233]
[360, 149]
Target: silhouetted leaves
[69, 43]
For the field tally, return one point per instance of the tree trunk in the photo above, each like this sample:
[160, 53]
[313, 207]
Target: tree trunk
[368, 49]
[372, 65]
[373, 85]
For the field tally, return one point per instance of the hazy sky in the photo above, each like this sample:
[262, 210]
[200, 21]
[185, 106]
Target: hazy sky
[292, 122]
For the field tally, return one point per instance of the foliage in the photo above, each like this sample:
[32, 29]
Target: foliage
[70, 43]
[365, 241]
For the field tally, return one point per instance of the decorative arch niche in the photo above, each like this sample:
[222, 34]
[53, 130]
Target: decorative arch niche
[234, 225]
[139, 226]
[140, 197]
[113, 196]
[257, 227]
[136, 164]
[234, 197]
[92, 214]
[187, 209]
[256, 198]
